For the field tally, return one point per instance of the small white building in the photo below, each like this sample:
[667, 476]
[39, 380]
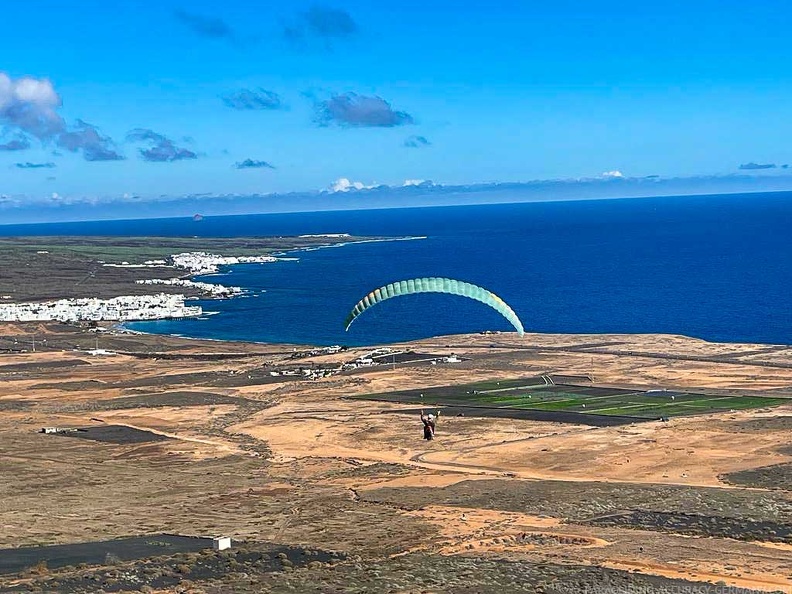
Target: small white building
[221, 543]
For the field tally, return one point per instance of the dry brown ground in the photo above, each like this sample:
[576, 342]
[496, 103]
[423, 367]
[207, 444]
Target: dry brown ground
[318, 455]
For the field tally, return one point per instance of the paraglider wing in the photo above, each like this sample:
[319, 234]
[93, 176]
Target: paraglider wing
[448, 286]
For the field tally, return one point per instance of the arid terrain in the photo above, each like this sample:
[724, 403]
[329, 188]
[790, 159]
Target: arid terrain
[323, 493]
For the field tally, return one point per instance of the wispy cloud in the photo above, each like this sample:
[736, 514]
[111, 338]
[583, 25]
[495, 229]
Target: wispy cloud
[30, 165]
[95, 146]
[253, 164]
[29, 107]
[615, 174]
[18, 143]
[161, 148]
[754, 166]
[253, 99]
[416, 141]
[321, 22]
[359, 111]
[210, 27]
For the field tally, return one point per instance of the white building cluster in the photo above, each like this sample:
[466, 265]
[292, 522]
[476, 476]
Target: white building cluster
[205, 263]
[121, 309]
[217, 291]
[136, 308]
[318, 352]
[196, 263]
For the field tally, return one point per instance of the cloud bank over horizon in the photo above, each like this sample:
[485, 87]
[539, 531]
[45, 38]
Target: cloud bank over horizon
[346, 194]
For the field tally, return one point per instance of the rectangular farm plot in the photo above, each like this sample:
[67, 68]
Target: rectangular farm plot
[97, 553]
[540, 394]
[646, 405]
[117, 434]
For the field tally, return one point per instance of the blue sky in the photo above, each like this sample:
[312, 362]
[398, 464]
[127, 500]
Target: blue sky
[381, 92]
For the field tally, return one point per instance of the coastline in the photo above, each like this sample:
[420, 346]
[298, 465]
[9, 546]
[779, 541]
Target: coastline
[346, 243]
[227, 293]
[285, 256]
[176, 271]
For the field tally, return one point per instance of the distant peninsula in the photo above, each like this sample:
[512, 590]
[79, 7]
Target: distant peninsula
[93, 279]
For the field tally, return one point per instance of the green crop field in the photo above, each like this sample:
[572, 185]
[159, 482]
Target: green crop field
[537, 394]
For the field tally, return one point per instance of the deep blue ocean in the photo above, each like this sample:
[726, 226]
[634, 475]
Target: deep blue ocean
[714, 267]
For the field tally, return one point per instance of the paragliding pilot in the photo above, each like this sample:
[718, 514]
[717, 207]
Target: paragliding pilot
[429, 423]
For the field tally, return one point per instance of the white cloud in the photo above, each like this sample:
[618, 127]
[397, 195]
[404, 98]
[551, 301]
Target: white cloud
[615, 174]
[343, 184]
[29, 109]
[32, 90]
[30, 104]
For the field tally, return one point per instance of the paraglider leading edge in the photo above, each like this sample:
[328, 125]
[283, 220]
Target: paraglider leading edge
[435, 285]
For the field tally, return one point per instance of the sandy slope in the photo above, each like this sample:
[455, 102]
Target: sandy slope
[324, 450]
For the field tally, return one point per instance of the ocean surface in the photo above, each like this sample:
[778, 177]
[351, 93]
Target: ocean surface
[714, 267]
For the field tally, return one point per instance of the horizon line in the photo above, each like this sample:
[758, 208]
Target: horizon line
[391, 207]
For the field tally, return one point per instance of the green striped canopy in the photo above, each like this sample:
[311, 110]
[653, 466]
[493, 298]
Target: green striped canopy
[435, 285]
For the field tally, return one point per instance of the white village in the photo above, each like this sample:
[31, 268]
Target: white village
[159, 306]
